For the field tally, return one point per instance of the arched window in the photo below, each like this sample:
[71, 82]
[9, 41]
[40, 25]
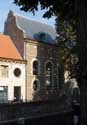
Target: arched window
[49, 67]
[48, 73]
[36, 85]
[35, 67]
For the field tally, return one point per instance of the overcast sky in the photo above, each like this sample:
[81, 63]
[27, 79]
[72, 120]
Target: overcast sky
[6, 5]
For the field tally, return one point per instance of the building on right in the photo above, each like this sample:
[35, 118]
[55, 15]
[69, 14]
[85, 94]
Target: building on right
[35, 42]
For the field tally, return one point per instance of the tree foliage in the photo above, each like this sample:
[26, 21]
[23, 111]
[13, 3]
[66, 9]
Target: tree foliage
[73, 11]
[65, 8]
[67, 45]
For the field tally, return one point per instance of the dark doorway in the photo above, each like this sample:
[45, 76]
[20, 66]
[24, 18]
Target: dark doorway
[17, 93]
[3, 94]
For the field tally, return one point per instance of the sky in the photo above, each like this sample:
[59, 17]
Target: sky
[7, 5]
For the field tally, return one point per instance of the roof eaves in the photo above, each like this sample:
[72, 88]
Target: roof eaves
[11, 59]
[27, 39]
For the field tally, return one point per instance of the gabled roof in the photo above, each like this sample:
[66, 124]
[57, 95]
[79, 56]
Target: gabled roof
[35, 30]
[7, 48]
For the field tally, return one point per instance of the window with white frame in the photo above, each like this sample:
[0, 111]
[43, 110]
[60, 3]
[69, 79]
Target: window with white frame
[3, 71]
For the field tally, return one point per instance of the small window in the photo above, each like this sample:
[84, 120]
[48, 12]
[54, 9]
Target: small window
[17, 72]
[36, 85]
[35, 68]
[42, 36]
[4, 71]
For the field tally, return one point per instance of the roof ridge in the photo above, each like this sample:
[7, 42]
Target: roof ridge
[29, 18]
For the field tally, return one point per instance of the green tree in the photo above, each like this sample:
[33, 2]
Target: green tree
[67, 45]
[75, 12]
[53, 6]
[58, 8]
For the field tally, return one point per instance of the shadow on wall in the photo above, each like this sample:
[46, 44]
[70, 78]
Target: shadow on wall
[43, 37]
[71, 91]
[40, 93]
[40, 90]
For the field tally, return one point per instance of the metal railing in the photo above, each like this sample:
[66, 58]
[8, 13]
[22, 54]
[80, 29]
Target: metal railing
[32, 109]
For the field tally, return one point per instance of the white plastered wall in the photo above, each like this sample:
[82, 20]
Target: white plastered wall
[12, 80]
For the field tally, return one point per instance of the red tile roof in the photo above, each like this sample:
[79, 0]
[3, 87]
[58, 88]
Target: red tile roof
[7, 48]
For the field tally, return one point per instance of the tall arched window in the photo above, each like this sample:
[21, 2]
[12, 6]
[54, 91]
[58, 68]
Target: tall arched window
[48, 73]
[35, 67]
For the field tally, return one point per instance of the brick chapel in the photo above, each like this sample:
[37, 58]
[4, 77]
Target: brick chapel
[35, 41]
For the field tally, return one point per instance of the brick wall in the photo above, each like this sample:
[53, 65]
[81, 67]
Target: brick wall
[10, 28]
[43, 53]
[30, 50]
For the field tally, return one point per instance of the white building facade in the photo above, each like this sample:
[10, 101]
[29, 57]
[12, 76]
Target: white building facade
[12, 72]
[12, 80]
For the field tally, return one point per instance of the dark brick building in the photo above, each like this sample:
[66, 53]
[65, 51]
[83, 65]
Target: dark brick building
[35, 42]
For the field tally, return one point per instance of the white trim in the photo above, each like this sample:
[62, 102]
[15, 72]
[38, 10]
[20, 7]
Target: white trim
[15, 15]
[35, 59]
[25, 50]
